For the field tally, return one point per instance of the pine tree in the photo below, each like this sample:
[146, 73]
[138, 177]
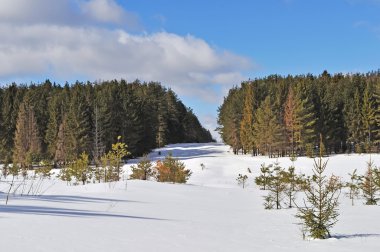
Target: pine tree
[277, 185]
[27, 142]
[368, 185]
[292, 122]
[99, 147]
[12, 98]
[368, 117]
[143, 170]
[172, 170]
[246, 125]
[266, 128]
[354, 185]
[63, 151]
[264, 179]
[79, 121]
[56, 110]
[114, 160]
[293, 184]
[162, 126]
[320, 212]
[354, 119]
[78, 169]
[229, 119]
[299, 119]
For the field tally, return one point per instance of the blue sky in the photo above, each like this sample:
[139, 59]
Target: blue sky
[198, 48]
[279, 36]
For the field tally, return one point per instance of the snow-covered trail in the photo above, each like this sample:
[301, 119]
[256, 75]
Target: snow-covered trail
[210, 213]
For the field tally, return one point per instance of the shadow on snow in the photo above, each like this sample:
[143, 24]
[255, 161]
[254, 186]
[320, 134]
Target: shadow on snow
[352, 236]
[51, 211]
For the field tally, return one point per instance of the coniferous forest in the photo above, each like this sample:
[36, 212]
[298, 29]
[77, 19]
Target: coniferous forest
[47, 121]
[303, 115]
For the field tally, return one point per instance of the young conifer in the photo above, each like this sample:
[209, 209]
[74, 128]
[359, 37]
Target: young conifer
[320, 211]
[368, 185]
[354, 185]
[277, 185]
[264, 178]
[143, 170]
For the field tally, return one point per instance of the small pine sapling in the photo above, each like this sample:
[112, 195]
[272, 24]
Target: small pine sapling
[354, 186]
[368, 185]
[320, 211]
[78, 169]
[172, 170]
[376, 173]
[269, 202]
[293, 184]
[242, 180]
[309, 150]
[277, 184]
[263, 179]
[143, 170]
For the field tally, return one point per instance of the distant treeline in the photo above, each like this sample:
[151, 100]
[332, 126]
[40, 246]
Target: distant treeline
[53, 122]
[303, 114]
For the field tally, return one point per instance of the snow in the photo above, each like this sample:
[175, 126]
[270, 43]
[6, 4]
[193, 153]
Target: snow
[210, 213]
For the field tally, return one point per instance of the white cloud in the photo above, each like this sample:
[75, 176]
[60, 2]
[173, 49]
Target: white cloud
[108, 11]
[98, 53]
[67, 12]
[66, 40]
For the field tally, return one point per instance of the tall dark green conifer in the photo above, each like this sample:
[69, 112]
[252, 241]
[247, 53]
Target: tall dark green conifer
[266, 129]
[368, 116]
[246, 125]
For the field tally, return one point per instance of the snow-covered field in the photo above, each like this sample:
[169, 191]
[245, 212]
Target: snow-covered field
[210, 213]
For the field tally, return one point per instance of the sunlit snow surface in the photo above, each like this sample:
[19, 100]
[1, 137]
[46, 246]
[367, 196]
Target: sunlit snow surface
[210, 213]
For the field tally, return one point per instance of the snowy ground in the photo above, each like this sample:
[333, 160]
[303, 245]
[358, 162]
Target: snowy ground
[210, 213]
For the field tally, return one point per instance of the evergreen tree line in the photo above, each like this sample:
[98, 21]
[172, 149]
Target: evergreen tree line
[47, 121]
[287, 116]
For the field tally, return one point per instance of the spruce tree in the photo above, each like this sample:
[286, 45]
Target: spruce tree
[246, 125]
[292, 121]
[63, 150]
[320, 211]
[354, 185]
[368, 117]
[144, 169]
[277, 185]
[293, 184]
[266, 128]
[354, 119]
[264, 179]
[368, 185]
[172, 170]
[27, 141]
